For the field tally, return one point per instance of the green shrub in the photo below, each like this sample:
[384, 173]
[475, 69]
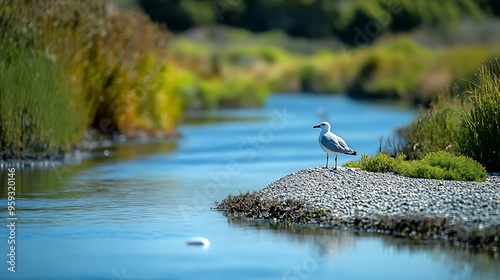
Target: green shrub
[379, 163]
[457, 167]
[421, 169]
[439, 165]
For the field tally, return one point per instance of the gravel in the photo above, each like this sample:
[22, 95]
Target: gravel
[462, 212]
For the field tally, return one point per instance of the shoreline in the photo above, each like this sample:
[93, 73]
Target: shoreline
[92, 140]
[464, 213]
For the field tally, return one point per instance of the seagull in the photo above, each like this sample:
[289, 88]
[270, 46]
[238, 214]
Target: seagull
[332, 144]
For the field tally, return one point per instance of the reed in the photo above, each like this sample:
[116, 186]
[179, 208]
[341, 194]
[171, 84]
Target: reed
[111, 66]
[37, 116]
[467, 124]
[481, 124]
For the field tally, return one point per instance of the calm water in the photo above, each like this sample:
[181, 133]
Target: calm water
[128, 215]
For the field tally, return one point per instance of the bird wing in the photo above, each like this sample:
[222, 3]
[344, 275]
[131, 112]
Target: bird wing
[335, 144]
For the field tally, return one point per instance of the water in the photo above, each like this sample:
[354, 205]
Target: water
[128, 215]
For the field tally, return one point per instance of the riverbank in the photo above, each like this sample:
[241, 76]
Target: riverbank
[93, 139]
[464, 213]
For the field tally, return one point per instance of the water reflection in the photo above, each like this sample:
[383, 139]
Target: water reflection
[52, 181]
[329, 242]
[482, 264]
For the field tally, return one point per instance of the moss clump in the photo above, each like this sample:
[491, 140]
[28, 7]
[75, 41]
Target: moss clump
[251, 205]
[437, 165]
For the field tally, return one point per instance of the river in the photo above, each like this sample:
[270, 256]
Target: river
[126, 211]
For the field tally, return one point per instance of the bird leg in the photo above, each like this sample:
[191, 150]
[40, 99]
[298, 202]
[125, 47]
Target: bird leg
[335, 162]
[326, 160]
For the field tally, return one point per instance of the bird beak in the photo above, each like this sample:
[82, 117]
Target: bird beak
[316, 126]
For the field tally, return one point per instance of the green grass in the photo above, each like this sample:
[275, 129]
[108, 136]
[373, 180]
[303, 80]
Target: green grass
[117, 67]
[37, 115]
[437, 165]
[437, 128]
[82, 63]
[481, 124]
[467, 124]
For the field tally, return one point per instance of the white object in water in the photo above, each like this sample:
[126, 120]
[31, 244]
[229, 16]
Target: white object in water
[198, 241]
[332, 144]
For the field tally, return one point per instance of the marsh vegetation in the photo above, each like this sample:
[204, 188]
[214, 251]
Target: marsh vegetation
[94, 64]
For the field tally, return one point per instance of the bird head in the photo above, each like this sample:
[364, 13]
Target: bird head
[325, 126]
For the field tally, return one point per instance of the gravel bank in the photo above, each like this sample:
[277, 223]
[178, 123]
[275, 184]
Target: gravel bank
[466, 213]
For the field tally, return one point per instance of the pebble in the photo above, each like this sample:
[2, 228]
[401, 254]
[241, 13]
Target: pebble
[379, 194]
[464, 212]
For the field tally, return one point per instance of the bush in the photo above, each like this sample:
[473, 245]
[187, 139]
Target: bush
[456, 167]
[379, 163]
[421, 169]
[439, 165]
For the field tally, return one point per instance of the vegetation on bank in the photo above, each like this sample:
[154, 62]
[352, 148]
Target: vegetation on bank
[456, 138]
[80, 63]
[87, 63]
[37, 115]
[68, 65]
[395, 67]
[437, 165]
[315, 18]
[465, 124]
[251, 205]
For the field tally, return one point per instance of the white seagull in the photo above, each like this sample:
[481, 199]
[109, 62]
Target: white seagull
[332, 144]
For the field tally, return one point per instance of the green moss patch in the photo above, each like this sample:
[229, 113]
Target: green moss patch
[437, 165]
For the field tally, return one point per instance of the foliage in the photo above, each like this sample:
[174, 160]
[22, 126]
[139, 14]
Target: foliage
[251, 205]
[481, 124]
[463, 126]
[316, 18]
[437, 128]
[390, 69]
[456, 167]
[379, 163]
[110, 67]
[436, 165]
[217, 79]
[37, 116]
[396, 67]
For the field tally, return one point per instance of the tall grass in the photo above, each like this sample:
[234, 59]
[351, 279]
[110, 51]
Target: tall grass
[115, 64]
[437, 128]
[481, 124]
[468, 124]
[37, 116]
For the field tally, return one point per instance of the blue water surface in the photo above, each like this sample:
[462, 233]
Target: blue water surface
[128, 215]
